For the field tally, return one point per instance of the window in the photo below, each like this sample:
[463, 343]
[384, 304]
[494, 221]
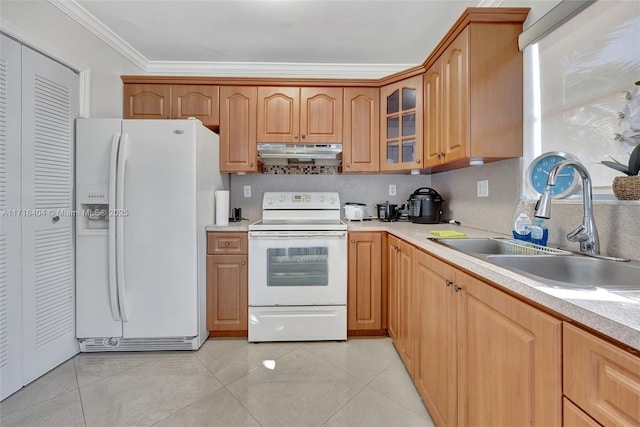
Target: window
[576, 78]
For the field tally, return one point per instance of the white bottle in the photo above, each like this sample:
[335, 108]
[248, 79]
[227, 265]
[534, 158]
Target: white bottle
[522, 220]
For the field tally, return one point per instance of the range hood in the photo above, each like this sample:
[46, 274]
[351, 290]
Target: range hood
[311, 154]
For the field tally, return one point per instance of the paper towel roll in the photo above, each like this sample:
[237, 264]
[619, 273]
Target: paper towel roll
[222, 207]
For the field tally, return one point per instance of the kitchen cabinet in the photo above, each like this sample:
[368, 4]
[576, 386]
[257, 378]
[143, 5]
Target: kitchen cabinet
[572, 416]
[476, 355]
[238, 146]
[473, 97]
[307, 115]
[360, 152]
[165, 101]
[227, 283]
[365, 283]
[401, 124]
[600, 378]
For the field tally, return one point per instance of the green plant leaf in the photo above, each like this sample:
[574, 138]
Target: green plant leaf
[634, 161]
[617, 166]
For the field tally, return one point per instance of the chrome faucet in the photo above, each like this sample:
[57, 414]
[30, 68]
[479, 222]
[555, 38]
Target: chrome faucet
[586, 233]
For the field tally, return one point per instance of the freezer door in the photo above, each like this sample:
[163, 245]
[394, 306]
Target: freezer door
[158, 229]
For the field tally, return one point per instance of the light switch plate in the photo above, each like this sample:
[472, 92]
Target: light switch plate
[247, 191]
[392, 189]
[483, 188]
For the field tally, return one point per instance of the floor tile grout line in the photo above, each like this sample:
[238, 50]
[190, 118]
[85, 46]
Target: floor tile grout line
[75, 370]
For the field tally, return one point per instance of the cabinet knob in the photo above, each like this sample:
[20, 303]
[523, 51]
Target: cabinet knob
[251, 164]
[304, 136]
[353, 241]
[418, 161]
[295, 135]
[449, 282]
[226, 243]
[243, 263]
[348, 165]
[457, 288]
[442, 154]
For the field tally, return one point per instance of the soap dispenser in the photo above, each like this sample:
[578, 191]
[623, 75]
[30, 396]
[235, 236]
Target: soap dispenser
[522, 220]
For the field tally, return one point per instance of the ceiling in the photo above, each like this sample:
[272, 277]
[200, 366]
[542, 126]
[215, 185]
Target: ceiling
[375, 34]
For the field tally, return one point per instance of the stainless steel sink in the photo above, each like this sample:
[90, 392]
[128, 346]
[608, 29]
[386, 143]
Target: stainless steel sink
[573, 271]
[497, 246]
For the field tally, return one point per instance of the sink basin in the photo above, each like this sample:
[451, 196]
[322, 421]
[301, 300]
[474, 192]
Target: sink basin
[574, 271]
[497, 246]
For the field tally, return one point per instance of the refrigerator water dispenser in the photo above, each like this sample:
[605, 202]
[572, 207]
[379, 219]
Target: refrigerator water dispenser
[93, 217]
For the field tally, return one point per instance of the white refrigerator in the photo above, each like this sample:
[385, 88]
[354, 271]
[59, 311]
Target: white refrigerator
[144, 194]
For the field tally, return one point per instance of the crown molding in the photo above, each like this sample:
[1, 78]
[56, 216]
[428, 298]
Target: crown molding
[275, 69]
[96, 27]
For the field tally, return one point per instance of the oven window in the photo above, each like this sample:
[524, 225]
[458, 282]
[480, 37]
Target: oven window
[307, 266]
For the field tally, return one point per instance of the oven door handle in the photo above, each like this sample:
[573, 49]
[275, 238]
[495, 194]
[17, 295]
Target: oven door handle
[267, 235]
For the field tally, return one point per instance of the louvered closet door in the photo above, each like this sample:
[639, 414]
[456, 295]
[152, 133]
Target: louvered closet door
[10, 226]
[49, 107]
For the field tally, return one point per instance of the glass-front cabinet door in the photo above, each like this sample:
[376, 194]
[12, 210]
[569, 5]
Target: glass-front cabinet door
[401, 125]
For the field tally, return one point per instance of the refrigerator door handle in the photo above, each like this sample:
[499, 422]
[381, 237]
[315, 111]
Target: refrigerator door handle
[120, 186]
[113, 286]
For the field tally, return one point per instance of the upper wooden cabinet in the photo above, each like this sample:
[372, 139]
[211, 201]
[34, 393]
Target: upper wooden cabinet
[361, 130]
[305, 115]
[162, 101]
[238, 147]
[473, 97]
[401, 125]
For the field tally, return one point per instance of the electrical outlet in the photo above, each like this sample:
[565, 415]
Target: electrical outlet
[392, 189]
[483, 188]
[247, 191]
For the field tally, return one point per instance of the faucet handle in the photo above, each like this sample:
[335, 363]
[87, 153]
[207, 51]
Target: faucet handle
[578, 235]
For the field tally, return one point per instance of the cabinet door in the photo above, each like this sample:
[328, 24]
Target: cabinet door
[433, 115]
[321, 115]
[572, 416]
[361, 130]
[401, 123]
[227, 304]
[278, 114]
[509, 359]
[147, 101]
[455, 99]
[199, 101]
[406, 306]
[393, 285]
[364, 296]
[435, 376]
[601, 379]
[238, 146]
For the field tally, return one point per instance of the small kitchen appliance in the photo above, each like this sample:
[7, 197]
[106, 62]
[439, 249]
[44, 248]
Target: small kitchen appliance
[354, 211]
[298, 269]
[425, 206]
[386, 211]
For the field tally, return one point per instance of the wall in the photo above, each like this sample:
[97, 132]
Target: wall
[369, 189]
[57, 35]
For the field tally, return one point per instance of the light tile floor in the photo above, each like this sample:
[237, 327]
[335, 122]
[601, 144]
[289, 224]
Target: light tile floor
[360, 382]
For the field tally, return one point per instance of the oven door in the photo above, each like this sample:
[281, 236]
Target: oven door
[295, 268]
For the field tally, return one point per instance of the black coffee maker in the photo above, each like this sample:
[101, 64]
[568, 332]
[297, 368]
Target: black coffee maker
[425, 206]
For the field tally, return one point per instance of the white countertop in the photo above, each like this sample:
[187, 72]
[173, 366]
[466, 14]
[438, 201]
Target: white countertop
[606, 312]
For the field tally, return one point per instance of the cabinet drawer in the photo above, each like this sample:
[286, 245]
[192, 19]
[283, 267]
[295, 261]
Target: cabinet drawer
[575, 417]
[601, 379]
[227, 243]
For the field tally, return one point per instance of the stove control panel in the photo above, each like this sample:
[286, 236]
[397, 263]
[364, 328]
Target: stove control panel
[301, 200]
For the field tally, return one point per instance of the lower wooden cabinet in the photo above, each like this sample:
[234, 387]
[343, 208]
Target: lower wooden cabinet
[477, 356]
[601, 379]
[572, 416]
[227, 283]
[365, 284]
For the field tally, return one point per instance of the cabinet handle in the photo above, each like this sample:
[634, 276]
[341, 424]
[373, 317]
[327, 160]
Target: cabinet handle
[443, 154]
[353, 241]
[251, 164]
[449, 282]
[418, 161]
[438, 155]
[457, 288]
[304, 136]
[243, 263]
[348, 165]
[55, 219]
[226, 243]
[295, 136]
